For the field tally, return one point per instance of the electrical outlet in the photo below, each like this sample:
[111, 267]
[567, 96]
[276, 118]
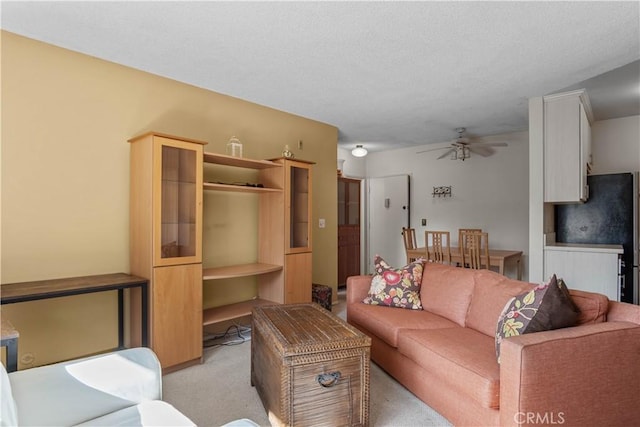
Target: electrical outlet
[321, 223]
[424, 222]
[27, 359]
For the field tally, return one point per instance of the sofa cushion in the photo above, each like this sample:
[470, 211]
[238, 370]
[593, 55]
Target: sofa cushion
[446, 291]
[490, 295]
[396, 287]
[8, 411]
[544, 308]
[465, 359]
[593, 306]
[150, 413]
[387, 322]
[92, 386]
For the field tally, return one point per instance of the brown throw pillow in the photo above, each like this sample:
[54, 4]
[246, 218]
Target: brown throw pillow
[546, 307]
[396, 287]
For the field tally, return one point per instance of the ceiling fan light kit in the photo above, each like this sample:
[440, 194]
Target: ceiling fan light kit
[359, 151]
[460, 153]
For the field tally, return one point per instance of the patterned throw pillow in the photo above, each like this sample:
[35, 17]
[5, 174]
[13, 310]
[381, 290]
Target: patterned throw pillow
[545, 307]
[396, 287]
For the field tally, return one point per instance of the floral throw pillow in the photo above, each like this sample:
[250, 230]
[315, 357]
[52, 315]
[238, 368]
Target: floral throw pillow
[545, 307]
[396, 287]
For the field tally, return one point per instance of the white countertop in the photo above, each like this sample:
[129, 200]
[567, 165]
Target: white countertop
[582, 247]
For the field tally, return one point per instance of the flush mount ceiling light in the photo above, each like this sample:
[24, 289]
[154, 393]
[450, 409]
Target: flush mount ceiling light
[359, 151]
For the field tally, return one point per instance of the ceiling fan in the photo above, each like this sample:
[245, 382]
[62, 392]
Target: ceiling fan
[461, 148]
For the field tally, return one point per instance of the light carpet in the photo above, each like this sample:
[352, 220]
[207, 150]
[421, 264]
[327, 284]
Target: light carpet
[219, 390]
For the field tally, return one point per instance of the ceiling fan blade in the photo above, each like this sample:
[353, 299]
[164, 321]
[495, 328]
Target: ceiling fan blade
[431, 149]
[489, 144]
[483, 151]
[446, 154]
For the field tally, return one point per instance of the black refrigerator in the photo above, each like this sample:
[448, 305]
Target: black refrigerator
[609, 216]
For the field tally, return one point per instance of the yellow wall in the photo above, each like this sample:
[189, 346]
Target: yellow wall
[66, 118]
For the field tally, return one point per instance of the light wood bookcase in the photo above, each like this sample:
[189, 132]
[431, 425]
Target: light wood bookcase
[166, 243]
[166, 239]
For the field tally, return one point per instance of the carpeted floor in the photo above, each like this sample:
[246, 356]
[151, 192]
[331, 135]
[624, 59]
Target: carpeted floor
[219, 391]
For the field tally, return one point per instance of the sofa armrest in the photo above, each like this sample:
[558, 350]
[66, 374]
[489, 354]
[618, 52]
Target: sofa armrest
[623, 312]
[76, 391]
[357, 288]
[585, 375]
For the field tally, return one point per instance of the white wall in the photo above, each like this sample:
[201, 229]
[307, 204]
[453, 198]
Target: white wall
[353, 167]
[535, 266]
[616, 145]
[491, 193]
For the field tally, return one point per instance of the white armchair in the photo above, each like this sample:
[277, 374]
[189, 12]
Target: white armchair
[113, 389]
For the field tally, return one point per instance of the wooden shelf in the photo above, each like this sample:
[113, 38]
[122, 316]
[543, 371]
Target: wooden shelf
[231, 311]
[239, 188]
[242, 270]
[222, 159]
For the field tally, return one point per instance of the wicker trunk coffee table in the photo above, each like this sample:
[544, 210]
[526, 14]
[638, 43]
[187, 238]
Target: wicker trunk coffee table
[310, 367]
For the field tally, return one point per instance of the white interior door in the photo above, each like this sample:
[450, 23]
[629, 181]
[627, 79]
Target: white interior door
[388, 211]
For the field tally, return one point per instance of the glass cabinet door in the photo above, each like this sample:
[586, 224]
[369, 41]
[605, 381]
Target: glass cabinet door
[342, 202]
[177, 241]
[298, 207]
[348, 202]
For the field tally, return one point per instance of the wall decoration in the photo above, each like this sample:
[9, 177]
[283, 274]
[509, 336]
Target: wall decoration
[442, 191]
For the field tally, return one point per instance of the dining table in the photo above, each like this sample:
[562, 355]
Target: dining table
[497, 258]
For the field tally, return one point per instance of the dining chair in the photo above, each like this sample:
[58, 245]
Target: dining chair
[474, 249]
[409, 239]
[438, 245]
[460, 245]
[463, 230]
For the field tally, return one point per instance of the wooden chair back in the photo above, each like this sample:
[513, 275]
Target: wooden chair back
[438, 245]
[409, 240]
[464, 230]
[474, 249]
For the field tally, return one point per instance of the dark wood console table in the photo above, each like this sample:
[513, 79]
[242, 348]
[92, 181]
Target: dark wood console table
[31, 291]
[10, 340]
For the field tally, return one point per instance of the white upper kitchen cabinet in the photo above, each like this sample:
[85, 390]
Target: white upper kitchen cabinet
[567, 146]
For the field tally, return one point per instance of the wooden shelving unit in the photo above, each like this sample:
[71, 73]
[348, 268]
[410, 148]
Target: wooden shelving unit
[242, 270]
[283, 269]
[214, 315]
[232, 311]
[238, 188]
[241, 162]
[166, 245]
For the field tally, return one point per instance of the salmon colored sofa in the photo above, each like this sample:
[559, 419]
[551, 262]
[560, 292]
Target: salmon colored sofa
[585, 375]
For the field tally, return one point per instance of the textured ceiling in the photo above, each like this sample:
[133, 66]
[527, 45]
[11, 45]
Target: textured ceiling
[387, 74]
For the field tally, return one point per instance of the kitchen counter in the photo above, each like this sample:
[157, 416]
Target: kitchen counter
[584, 247]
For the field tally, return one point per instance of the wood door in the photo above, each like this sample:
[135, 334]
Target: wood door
[176, 301]
[348, 228]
